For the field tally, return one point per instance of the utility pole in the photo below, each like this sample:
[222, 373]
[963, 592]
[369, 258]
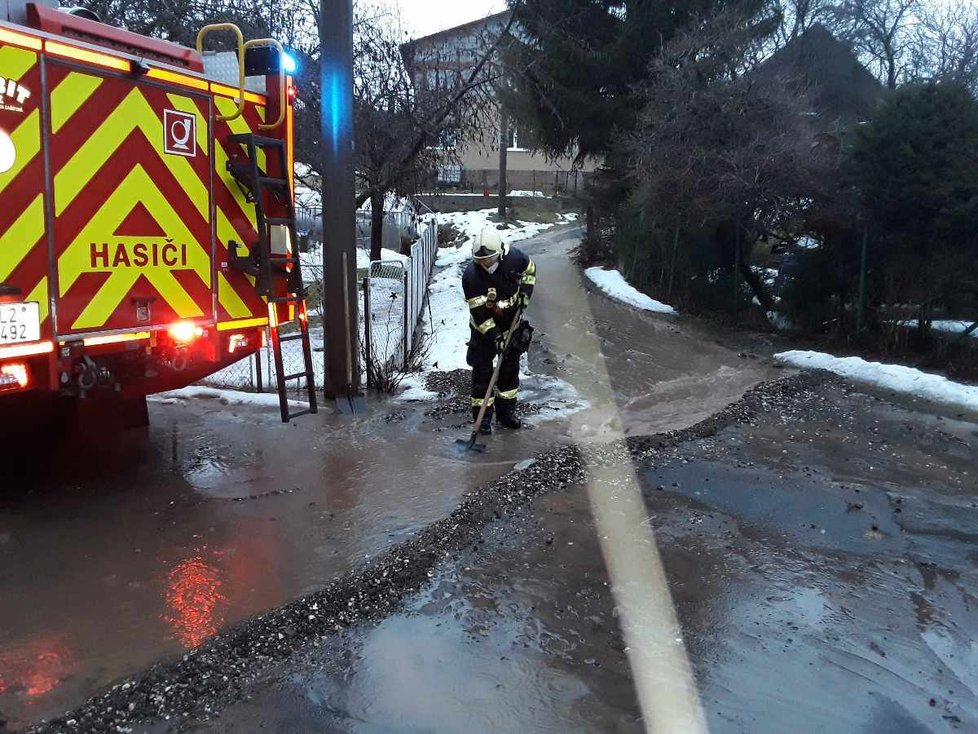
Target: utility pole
[503, 150]
[862, 284]
[339, 202]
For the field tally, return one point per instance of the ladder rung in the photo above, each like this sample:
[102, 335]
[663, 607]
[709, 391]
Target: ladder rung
[271, 181]
[296, 376]
[259, 141]
[279, 220]
[291, 337]
[299, 414]
[286, 260]
[287, 299]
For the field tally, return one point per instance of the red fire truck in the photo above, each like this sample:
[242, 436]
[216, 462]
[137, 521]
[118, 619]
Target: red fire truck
[147, 225]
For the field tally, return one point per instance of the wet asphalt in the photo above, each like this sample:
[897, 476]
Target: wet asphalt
[340, 575]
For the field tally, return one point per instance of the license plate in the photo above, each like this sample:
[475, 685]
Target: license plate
[19, 322]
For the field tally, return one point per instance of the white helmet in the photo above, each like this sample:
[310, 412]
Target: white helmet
[487, 244]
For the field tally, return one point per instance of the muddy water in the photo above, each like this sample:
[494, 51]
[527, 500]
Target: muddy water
[120, 555]
[665, 372]
[820, 579]
[131, 549]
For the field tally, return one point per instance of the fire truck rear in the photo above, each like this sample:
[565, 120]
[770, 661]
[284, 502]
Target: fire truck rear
[147, 229]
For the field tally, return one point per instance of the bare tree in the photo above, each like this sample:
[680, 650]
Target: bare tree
[724, 157]
[799, 16]
[883, 31]
[409, 110]
[946, 42]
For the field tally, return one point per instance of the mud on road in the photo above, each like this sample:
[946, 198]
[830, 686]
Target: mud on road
[819, 545]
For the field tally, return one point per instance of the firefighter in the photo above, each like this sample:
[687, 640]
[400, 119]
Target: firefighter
[497, 283]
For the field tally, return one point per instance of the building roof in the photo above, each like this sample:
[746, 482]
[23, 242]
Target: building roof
[827, 69]
[410, 51]
[458, 30]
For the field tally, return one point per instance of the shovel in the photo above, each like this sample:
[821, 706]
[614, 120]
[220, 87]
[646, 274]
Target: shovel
[470, 444]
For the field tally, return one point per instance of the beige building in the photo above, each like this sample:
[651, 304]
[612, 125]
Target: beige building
[440, 60]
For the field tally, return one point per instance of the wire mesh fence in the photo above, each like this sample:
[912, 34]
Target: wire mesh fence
[392, 297]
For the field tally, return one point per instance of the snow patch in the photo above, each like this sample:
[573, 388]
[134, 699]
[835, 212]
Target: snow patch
[227, 397]
[614, 285]
[529, 194]
[945, 327]
[898, 378]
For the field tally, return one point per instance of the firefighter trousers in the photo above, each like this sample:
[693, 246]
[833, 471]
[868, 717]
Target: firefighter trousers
[508, 384]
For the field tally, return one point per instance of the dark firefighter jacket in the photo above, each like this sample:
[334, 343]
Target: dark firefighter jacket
[515, 276]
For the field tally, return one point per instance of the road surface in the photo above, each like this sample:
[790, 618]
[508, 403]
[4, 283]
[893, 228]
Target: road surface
[131, 551]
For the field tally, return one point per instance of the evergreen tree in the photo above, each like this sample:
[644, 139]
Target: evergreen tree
[578, 61]
[914, 168]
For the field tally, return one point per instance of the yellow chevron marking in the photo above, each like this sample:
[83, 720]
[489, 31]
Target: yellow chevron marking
[73, 91]
[132, 113]
[78, 257]
[27, 143]
[40, 294]
[16, 62]
[22, 235]
[230, 300]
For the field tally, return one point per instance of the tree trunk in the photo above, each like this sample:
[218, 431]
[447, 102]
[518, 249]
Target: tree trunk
[751, 279]
[503, 149]
[376, 225]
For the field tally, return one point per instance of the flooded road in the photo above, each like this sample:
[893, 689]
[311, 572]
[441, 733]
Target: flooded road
[132, 549]
[822, 563]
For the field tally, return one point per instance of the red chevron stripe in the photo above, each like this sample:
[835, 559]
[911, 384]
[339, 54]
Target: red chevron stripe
[74, 301]
[200, 293]
[22, 191]
[86, 121]
[32, 267]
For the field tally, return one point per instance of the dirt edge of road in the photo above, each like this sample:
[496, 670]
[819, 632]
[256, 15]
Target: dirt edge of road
[212, 675]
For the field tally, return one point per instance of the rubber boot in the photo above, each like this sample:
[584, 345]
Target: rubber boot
[507, 415]
[486, 428]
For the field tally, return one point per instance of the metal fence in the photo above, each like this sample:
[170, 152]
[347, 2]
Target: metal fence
[423, 255]
[393, 292]
[394, 296]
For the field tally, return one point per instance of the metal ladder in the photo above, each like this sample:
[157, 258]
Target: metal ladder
[267, 267]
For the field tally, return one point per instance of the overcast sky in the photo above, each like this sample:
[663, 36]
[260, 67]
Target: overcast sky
[422, 17]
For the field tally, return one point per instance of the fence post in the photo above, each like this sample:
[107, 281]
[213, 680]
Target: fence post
[368, 331]
[407, 304]
[260, 386]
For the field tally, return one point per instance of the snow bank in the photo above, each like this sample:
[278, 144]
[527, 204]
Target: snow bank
[529, 194]
[895, 377]
[363, 257]
[227, 397]
[614, 285]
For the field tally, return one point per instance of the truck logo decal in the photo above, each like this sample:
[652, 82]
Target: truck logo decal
[179, 133]
[8, 154]
[13, 95]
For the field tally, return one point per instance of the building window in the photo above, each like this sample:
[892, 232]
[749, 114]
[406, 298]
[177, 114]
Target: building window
[450, 175]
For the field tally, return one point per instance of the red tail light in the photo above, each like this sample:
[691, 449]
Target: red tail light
[185, 332]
